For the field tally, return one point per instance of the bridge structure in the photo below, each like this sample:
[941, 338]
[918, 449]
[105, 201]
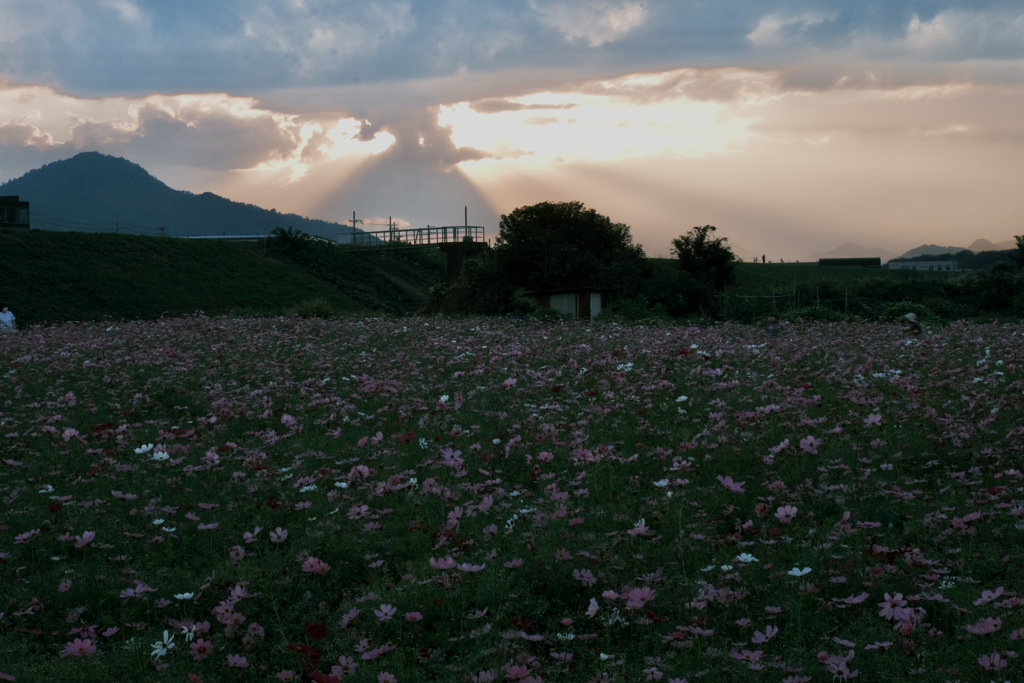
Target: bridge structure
[458, 242]
[413, 238]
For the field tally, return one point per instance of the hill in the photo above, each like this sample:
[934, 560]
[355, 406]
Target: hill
[93, 192]
[63, 276]
[851, 250]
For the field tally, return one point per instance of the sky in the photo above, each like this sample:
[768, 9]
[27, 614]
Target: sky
[793, 126]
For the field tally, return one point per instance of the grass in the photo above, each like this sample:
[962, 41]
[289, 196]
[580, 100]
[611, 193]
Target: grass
[58, 277]
[473, 500]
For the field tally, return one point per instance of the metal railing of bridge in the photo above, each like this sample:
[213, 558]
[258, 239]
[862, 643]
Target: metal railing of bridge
[405, 238]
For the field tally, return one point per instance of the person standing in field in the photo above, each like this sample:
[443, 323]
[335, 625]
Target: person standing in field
[773, 326]
[911, 326]
[6, 319]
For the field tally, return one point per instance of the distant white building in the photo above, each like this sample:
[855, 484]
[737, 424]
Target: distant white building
[923, 265]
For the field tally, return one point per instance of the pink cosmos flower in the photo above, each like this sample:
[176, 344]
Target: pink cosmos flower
[314, 565]
[992, 662]
[809, 444]
[747, 655]
[874, 419]
[201, 649]
[988, 596]
[442, 563]
[769, 633]
[79, 647]
[986, 626]
[584, 576]
[347, 618]
[413, 616]
[728, 483]
[890, 605]
[238, 662]
[85, 539]
[638, 597]
[278, 535]
[346, 666]
[786, 513]
[470, 568]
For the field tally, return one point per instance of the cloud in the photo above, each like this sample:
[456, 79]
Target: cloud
[210, 131]
[596, 21]
[775, 29]
[958, 34]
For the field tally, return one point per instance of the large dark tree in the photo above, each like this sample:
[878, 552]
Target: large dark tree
[708, 262]
[566, 245]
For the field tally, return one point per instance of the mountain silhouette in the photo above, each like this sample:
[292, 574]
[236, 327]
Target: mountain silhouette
[94, 192]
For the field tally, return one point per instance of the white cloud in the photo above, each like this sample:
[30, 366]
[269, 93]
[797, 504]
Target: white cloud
[320, 38]
[958, 34]
[774, 29]
[684, 113]
[127, 10]
[597, 22]
[214, 131]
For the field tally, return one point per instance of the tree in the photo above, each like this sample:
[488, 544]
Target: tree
[565, 245]
[1020, 250]
[708, 261]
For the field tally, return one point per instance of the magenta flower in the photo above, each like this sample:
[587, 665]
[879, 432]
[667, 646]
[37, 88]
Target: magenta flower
[85, 539]
[769, 633]
[413, 617]
[728, 483]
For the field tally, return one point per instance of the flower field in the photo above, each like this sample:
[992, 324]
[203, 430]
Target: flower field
[421, 499]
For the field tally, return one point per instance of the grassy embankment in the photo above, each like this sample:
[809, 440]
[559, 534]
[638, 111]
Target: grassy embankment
[58, 276]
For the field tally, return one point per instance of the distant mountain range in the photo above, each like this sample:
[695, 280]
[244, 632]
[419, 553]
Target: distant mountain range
[854, 250]
[93, 192]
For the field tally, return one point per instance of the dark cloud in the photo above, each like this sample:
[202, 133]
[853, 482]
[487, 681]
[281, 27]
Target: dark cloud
[496, 105]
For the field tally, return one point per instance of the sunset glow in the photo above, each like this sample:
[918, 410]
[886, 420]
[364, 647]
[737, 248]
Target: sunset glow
[793, 127]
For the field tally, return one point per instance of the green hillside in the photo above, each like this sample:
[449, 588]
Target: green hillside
[59, 276]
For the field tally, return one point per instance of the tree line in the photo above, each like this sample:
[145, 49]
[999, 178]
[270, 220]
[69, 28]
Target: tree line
[555, 247]
[564, 246]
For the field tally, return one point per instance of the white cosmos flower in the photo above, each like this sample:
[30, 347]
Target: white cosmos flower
[746, 558]
[144, 448]
[184, 596]
[161, 647]
[796, 571]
